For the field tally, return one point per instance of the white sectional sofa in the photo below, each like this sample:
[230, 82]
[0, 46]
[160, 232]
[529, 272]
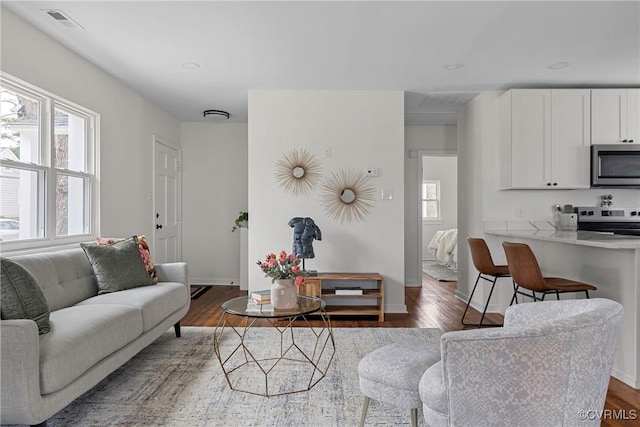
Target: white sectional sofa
[91, 335]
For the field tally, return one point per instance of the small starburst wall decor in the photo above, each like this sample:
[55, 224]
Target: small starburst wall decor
[347, 196]
[298, 172]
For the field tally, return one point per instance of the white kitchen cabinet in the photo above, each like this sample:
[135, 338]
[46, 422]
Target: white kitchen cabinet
[615, 116]
[544, 139]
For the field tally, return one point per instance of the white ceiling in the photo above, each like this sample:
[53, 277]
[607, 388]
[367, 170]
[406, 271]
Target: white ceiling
[361, 45]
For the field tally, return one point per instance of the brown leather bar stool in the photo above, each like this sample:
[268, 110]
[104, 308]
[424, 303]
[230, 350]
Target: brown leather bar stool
[526, 274]
[487, 270]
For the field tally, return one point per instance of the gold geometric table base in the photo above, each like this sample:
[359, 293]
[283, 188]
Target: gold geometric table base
[295, 366]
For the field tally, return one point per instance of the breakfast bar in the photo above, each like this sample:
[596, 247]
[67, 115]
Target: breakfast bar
[609, 261]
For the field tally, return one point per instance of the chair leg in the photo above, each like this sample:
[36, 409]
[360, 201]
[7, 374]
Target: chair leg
[470, 298]
[414, 417]
[365, 406]
[515, 293]
[587, 292]
[493, 285]
[558, 295]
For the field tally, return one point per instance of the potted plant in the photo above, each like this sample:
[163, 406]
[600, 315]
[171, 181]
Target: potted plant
[241, 221]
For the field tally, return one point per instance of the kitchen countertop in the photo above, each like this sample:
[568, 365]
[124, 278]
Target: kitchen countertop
[583, 238]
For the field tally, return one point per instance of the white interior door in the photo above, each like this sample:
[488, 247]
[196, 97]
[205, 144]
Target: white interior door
[167, 233]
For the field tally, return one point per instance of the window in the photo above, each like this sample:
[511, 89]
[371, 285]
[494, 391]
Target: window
[431, 200]
[48, 181]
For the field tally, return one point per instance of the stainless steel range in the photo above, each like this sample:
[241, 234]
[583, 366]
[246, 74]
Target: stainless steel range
[624, 221]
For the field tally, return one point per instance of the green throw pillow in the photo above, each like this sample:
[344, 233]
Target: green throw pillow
[21, 297]
[117, 266]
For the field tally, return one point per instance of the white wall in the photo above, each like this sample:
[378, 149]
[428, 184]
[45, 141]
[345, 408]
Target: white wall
[481, 200]
[431, 139]
[444, 169]
[217, 154]
[214, 173]
[364, 130]
[470, 200]
[127, 121]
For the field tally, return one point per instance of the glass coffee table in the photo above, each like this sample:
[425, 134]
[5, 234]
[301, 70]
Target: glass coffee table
[277, 359]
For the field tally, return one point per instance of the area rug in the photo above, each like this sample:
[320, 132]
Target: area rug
[438, 271]
[178, 382]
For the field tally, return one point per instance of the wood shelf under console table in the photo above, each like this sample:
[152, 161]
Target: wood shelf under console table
[323, 285]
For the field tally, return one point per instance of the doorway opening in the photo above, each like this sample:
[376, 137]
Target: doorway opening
[438, 214]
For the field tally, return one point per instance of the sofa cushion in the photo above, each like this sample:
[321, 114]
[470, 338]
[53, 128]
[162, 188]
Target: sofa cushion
[117, 266]
[21, 296]
[65, 276]
[155, 302]
[80, 337]
[143, 248]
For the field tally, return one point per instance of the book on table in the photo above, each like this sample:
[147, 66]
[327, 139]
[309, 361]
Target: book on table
[348, 290]
[261, 302]
[264, 295]
[253, 307]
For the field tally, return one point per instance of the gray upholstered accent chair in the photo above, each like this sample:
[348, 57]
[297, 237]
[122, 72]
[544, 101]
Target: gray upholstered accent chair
[550, 362]
[391, 374]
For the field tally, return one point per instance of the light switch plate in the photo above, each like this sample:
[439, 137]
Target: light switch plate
[387, 194]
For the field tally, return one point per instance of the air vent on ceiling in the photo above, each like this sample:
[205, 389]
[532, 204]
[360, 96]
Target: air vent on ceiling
[63, 19]
[451, 100]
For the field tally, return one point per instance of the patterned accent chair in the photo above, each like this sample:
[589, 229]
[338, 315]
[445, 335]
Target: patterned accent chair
[549, 362]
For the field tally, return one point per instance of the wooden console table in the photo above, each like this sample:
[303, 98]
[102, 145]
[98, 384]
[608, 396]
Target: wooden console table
[323, 286]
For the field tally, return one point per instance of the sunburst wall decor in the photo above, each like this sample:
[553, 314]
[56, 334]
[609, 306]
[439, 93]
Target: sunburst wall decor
[298, 172]
[347, 196]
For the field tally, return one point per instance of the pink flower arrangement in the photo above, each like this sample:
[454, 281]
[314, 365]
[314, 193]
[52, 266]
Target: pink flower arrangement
[282, 266]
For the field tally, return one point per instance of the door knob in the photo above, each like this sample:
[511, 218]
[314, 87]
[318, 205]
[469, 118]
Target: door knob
[158, 226]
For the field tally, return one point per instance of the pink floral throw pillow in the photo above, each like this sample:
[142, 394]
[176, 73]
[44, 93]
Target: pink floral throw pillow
[143, 247]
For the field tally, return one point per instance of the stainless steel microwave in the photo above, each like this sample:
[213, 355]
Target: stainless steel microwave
[615, 165]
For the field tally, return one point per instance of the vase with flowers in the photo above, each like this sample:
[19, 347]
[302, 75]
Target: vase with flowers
[286, 275]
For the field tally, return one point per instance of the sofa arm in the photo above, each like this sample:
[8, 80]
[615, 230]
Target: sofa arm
[20, 368]
[173, 272]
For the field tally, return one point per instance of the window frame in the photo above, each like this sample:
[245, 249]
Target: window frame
[438, 201]
[48, 172]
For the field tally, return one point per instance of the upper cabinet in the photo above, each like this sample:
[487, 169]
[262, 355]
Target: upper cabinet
[545, 138]
[615, 116]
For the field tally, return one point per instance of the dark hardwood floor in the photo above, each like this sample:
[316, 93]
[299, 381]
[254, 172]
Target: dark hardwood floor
[433, 305]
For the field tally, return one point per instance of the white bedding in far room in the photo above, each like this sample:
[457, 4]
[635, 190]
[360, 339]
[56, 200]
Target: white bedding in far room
[444, 245]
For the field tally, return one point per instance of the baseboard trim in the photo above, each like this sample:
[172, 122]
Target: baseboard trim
[203, 281]
[493, 308]
[395, 308]
[413, 282]
[628, 380]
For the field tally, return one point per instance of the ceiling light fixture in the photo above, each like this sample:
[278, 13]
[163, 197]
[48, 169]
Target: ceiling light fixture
[216, 115]
[451, 67]
[559, 65]
[190, 65]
